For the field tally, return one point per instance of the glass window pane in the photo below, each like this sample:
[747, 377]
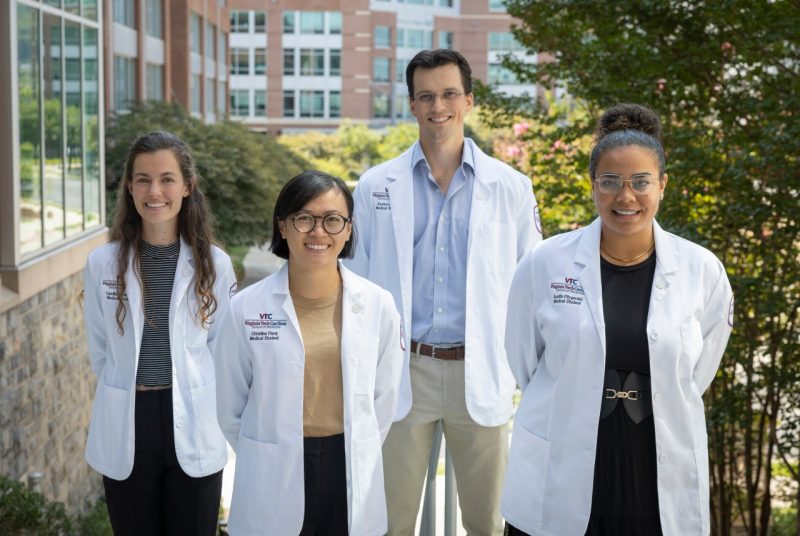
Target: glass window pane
[53, 129]
[194, 33]
[260, 22]
[91, 124]
[312, 22]
[124, 13]
[260, 61]
[381, 69]
[400, 70]
[288, 103]
[335, 104]
[335, 22]
[153, 18]
[73, 187]
[72, 6]
[90, 9]
[288, 61]
[29, 75]
[124, 83]
[210, 38]
[497, 5]
[222, 47]
[446, 40]
[288, 22]
[383, 37]
[221, 98]
[194, 89]
[155, 82]
[209, 96]
[380, 105]
[260, 102]
[335, 62]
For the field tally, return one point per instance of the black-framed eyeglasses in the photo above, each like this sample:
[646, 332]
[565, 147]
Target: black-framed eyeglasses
[331, 223]
[611, 184]
[427, 97]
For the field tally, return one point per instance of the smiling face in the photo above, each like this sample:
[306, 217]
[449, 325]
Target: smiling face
[627, 215]
[158, 188]
[317, 248]
[442, 119]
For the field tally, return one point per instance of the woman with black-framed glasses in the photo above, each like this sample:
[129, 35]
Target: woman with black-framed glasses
[614, 331]
[308, 375]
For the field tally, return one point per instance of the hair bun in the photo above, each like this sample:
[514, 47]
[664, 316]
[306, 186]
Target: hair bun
[629, 117]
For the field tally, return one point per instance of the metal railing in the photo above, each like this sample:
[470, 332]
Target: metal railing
[428, 522]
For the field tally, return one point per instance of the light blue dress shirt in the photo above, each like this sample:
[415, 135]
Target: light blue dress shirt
[441, 232]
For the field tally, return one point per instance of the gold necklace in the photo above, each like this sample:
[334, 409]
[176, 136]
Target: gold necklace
[650, 248]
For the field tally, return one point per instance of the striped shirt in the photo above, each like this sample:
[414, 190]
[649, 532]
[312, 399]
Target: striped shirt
[157, 265]
[441, 234]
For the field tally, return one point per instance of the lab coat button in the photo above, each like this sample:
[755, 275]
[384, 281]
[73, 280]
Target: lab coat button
[654, 336]
[178, 423]
[662, 458]
[440, 279]
[358, 308]
[657, 397]
[660, 284]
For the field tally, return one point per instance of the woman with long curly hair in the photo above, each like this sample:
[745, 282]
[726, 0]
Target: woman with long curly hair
[151, 297]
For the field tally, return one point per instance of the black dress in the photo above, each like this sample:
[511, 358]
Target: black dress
[625, 493]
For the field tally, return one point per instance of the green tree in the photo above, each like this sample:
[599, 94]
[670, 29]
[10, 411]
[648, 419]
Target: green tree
[240, 171]
[725, 78]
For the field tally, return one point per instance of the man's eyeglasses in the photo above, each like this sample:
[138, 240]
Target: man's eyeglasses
[331, 223]
[612, 184]
[429, 98]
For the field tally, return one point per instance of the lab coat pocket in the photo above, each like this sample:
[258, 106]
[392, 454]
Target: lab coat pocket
[255, 493]
[526, 477]
[500, 246]
[691, 345]
[109, 447]
[369, 497]
[366, 364]
[210, 442]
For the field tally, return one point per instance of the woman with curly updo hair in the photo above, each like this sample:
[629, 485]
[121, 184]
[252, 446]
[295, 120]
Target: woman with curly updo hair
[614, 332]
[151, 297]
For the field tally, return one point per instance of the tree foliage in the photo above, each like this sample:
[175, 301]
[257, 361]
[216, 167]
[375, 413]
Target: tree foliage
[725, 79]
[240, 171]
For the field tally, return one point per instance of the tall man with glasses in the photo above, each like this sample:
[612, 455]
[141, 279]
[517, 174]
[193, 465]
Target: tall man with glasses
[442, 227]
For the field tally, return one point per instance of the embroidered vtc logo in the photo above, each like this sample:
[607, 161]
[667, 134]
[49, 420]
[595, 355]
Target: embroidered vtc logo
[569, 292]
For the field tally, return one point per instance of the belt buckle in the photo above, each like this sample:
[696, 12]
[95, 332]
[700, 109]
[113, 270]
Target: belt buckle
[440, 347]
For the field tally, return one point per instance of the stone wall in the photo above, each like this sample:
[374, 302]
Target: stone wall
[46, 391]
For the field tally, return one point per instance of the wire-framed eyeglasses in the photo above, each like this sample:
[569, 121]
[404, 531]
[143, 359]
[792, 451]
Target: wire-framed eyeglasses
[426, 97]
[331, 223]
[611, 184]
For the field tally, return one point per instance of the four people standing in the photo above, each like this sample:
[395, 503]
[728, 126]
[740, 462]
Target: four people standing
[610, 345]
[442, 227]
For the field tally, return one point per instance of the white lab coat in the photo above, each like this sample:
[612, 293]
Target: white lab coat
[260, 376]
[503, 226]
[556, 347]
[199, 443]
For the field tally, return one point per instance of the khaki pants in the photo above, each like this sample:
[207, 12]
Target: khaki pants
[479, 453]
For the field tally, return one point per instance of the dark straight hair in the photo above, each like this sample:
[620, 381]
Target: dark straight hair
[297, 193]
[430, 59]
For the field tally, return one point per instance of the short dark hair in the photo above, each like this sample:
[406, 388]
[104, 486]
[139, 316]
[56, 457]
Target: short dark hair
[430, 59]
[298, 192]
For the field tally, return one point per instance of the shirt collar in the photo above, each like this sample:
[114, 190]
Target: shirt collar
[467, 157]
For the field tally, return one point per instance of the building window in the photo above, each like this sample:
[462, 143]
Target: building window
[418, 39]
[221, 98]
[59, 121]
[240, 21]
[155, 82]
[153, 24]
[446, 3]
[312, 22]
[260, 19]
[288, 103]
[240, 61]
[335, 22]
[260, 61]
[402, 110]
[209, 96]
[503, 42]
[400, 70]
[381, 69]
[211, 36]
[383, 37]
[497, 5]
[312, 63]
[446, 40]
[501, 75]
[288, 22]
[288, 61]
[124, 13]
[240, 102]
[124, 83]
[312, 103]
[335, 68]
[260, 103]
[380, 105]
[335, 104]
[222, 45]
[194, 33]
[194, 90]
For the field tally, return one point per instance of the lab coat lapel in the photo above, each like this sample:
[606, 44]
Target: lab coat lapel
[587, 259]
[184, 276]
[353, 309]
[481, 193]
[401, 199]
[666, 268]
[133, 290]
[281, 289]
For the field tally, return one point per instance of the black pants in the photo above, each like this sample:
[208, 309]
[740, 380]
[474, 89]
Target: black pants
[326, 486]
[158, 498]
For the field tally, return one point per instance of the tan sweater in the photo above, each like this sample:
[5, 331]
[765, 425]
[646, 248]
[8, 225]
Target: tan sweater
[321, 328]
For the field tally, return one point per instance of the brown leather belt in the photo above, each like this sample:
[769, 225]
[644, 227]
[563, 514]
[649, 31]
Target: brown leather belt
[444, 352]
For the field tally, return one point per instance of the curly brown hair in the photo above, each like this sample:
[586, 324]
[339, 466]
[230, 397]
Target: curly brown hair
[194, 225]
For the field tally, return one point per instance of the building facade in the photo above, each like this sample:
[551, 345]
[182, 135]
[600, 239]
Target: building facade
[298, 65]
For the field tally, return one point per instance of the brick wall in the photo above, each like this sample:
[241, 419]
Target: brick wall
[46, 390]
